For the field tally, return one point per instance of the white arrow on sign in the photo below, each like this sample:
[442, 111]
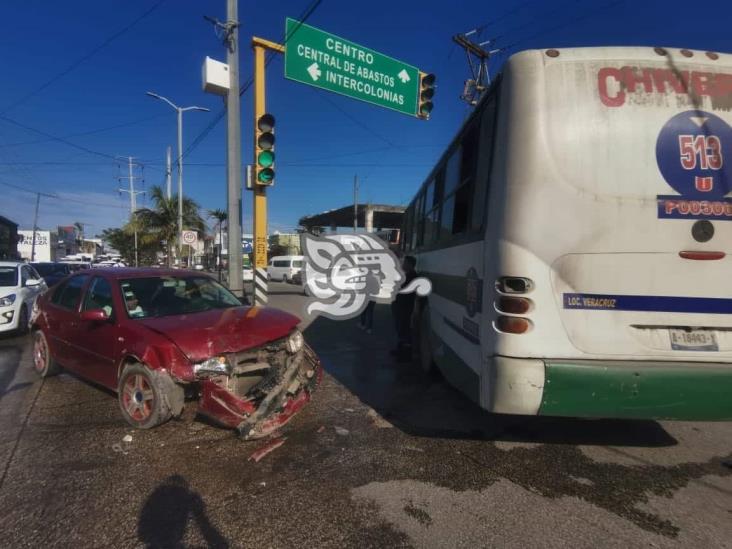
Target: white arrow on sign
[404, 76]
[314, 71]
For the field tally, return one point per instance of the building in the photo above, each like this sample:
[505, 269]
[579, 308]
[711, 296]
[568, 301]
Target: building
[8, 239]
[68, 241]
[284, 244]
[46, 246]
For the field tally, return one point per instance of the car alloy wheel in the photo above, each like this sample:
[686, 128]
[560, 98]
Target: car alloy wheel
[148, 397]
[138, 397]
[43, 362]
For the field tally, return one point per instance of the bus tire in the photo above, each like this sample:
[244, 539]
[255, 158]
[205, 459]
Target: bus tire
[426, 356]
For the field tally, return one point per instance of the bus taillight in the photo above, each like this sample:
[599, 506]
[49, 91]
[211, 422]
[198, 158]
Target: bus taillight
[512, 324]
[513, 305]
[514, 285]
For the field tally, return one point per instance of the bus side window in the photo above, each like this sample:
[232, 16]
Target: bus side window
[464, 194]
[485, 161]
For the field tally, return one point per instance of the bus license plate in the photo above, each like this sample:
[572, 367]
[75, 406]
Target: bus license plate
[694, 340]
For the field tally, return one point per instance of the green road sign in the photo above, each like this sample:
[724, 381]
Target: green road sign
[326, 61]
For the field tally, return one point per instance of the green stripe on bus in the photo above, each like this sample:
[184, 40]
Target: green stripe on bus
[638, 390]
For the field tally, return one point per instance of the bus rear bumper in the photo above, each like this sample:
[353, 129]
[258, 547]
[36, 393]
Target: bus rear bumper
[693, 391]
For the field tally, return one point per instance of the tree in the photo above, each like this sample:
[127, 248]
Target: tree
[160, 223]
[221, 216]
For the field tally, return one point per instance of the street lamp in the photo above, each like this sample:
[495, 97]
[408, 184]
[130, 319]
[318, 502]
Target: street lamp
[180, 111]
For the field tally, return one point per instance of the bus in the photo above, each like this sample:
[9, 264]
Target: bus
[578, 236]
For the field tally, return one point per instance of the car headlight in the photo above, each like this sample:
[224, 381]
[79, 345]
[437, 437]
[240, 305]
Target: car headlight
[7, 301]
[295, 341]
[214, 365]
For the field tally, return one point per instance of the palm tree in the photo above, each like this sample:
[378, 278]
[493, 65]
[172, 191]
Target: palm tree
[221, 216]
[160, 223]
[79, 226]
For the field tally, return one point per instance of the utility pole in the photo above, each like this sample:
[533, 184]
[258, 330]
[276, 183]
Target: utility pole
[35, 227]
[133, 197]
[179, 111]
[477, 57]
[168, 175]
[233, 149]
[355, 203]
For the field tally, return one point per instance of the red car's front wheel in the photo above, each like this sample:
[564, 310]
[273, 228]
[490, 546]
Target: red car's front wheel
[148, 398]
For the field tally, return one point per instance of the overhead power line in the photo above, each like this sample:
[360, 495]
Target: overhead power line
[84, 133]
[245, 87]
[564, 24]
[59, 139]
[58, 197]
[91, 53]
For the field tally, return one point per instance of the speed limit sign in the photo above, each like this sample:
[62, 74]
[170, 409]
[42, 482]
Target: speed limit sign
[189, 237]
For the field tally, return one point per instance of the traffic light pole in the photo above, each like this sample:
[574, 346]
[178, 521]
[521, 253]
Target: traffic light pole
[259, 192]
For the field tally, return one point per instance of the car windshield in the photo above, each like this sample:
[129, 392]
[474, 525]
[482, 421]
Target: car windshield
[8, 276]
[157, 296]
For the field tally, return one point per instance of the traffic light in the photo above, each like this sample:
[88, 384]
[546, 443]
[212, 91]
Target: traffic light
[264, 170]
[426, 93]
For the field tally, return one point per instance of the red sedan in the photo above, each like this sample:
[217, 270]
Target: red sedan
[156, 336]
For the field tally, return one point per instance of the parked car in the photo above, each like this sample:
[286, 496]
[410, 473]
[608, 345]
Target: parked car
[52, 272]
[284, 267]
[20, 286]
[153, 335]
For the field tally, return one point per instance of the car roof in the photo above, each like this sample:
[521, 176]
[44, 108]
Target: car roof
[142, 272]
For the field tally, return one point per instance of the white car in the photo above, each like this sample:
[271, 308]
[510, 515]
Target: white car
[20, 286]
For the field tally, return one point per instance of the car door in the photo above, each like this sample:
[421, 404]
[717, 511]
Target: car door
[95, 342]
[62, 314]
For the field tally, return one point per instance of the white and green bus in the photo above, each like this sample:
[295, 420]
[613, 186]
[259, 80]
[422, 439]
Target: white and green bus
[578, 236]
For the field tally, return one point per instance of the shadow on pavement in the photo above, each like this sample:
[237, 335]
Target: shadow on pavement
[427, 406]
[10, 356]
[165, 515]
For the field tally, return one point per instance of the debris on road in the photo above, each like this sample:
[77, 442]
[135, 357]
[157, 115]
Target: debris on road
[127, 438]
[321, 429]
[267, 449]
[342, 432]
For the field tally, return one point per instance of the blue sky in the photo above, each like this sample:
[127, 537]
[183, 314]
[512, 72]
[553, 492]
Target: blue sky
[323, 139]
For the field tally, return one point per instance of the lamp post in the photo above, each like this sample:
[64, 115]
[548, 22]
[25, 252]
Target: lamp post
[180, 111]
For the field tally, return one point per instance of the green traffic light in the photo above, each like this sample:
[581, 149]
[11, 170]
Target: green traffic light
[265, 176]
[265, 159]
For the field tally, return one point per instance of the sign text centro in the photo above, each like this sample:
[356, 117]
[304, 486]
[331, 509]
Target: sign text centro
[326, 61]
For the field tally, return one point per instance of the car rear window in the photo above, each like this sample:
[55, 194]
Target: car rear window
[297, 264]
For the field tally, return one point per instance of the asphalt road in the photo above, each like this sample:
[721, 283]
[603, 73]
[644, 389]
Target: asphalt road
[383, 457]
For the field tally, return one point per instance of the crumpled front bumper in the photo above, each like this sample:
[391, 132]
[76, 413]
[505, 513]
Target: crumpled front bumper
[255, 415]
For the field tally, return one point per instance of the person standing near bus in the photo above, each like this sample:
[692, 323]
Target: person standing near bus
[402, 309]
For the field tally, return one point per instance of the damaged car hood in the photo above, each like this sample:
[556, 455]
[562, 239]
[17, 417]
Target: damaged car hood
[209, 333]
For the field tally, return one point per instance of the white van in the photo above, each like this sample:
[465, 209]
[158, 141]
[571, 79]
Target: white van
[283, 267]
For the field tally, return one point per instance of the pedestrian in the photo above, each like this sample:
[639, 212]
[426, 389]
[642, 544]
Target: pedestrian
[366, 321]
[402, 309]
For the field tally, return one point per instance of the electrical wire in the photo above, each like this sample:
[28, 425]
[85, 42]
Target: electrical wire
[85, 133]
[58, 197]
[538, 19]
[564, 24]
[91, 53]
[245, 87]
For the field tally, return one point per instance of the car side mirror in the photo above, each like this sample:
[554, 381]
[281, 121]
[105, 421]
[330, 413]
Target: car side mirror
[94, 315]
[32, 282]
